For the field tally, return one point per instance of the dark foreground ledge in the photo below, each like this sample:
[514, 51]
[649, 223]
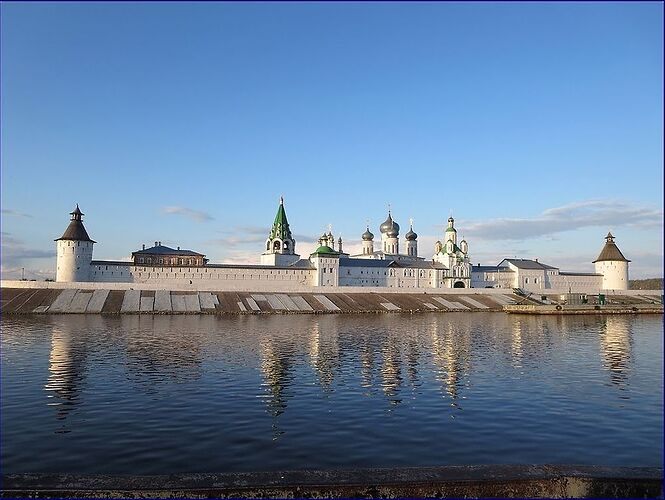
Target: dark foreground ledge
[550, 481]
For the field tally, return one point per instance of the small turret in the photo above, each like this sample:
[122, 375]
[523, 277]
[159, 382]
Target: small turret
[411, 241]
[368, 242]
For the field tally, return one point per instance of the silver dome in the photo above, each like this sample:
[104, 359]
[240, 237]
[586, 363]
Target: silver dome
[390, 227]
[367, 235]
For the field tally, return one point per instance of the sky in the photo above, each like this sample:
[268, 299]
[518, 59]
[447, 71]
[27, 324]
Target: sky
[538, 126]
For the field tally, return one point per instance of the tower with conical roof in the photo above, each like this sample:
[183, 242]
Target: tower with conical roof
[280, 245]
[74, 251]
[612, 265]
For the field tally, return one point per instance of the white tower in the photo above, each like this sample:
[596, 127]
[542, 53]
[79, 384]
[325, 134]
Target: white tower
[390, 235]
[411, 241]
[280, 245]
[74, 251]
[368, 242]
[612, 265]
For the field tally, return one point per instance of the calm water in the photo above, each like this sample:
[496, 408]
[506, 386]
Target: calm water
[149, 395]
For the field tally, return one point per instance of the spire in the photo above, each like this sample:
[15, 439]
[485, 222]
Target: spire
[280, 227]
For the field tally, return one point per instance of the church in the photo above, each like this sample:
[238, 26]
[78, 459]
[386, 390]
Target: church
[383, 266]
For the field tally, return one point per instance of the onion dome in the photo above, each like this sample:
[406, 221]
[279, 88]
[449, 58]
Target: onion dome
[367, 235]
[411, 235]
[450, 228]
[390, 227]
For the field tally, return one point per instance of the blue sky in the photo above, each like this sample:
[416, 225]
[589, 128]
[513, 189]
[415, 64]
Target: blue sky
[539, 125]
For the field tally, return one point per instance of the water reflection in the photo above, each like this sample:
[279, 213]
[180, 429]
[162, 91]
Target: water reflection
[324, 351]
[451, 355]
[376, 355]
[391, 370]
[153, 358]
[276, 368]
[615, 347]
[67, 360]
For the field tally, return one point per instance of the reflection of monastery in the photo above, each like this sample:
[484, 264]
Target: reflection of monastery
[329, 266]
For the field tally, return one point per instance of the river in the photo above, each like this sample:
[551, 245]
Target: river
[166, 394]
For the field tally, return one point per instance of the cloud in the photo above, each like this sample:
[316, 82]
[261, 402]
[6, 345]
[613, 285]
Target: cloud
[14, 213]
[591, 213]
[190, 213]
[14, 257]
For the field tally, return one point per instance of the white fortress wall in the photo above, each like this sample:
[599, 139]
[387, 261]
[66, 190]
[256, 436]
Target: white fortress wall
[275, 286]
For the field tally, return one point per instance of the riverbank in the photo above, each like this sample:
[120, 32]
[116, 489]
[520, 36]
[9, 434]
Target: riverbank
[583, 309]
[100, 299]
[104, 301]
[507, 481]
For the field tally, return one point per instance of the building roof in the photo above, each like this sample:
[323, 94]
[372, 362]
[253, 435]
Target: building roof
[365, 262]
[76, 232]
[325, 250]
[579, 274]
[610, 251]
[280, 227]
[164, 250]
[487, 269]
[527, 264]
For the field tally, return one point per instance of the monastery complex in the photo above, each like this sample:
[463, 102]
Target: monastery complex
[382, 264]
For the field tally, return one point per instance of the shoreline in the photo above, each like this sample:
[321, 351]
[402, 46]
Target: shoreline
[104, 300]
[526, 481]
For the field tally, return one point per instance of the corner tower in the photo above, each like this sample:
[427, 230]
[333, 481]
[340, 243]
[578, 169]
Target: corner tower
[280, 245]
[612, 265]
[74, 251]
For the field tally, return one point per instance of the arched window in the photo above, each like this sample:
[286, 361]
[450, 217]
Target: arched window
[276, 245]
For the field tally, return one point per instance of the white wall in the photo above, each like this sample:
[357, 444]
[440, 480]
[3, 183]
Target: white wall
[615, 274]
[73, 260]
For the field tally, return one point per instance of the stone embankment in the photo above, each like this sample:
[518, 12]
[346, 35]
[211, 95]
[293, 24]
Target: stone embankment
[503, 481]
[126, 299]
[72, 301]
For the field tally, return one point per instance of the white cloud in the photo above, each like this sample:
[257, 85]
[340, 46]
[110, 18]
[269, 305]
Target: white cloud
[190, 213]
[606, 214]
[14, 213]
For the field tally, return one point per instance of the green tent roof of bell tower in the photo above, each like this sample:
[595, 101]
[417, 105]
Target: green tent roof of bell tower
[280, 228]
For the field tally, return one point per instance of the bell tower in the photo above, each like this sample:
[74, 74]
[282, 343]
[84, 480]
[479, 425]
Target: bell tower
[280, 247]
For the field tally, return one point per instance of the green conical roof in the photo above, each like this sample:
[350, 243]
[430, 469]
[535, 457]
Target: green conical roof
[280, 228]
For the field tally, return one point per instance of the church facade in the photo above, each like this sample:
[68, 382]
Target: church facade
[383, 266]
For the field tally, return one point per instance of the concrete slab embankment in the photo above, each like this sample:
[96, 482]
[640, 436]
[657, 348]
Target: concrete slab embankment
[69, 300]
[530, 481]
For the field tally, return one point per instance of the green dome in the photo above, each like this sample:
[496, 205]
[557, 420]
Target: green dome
[325, 249]
[451, 229]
